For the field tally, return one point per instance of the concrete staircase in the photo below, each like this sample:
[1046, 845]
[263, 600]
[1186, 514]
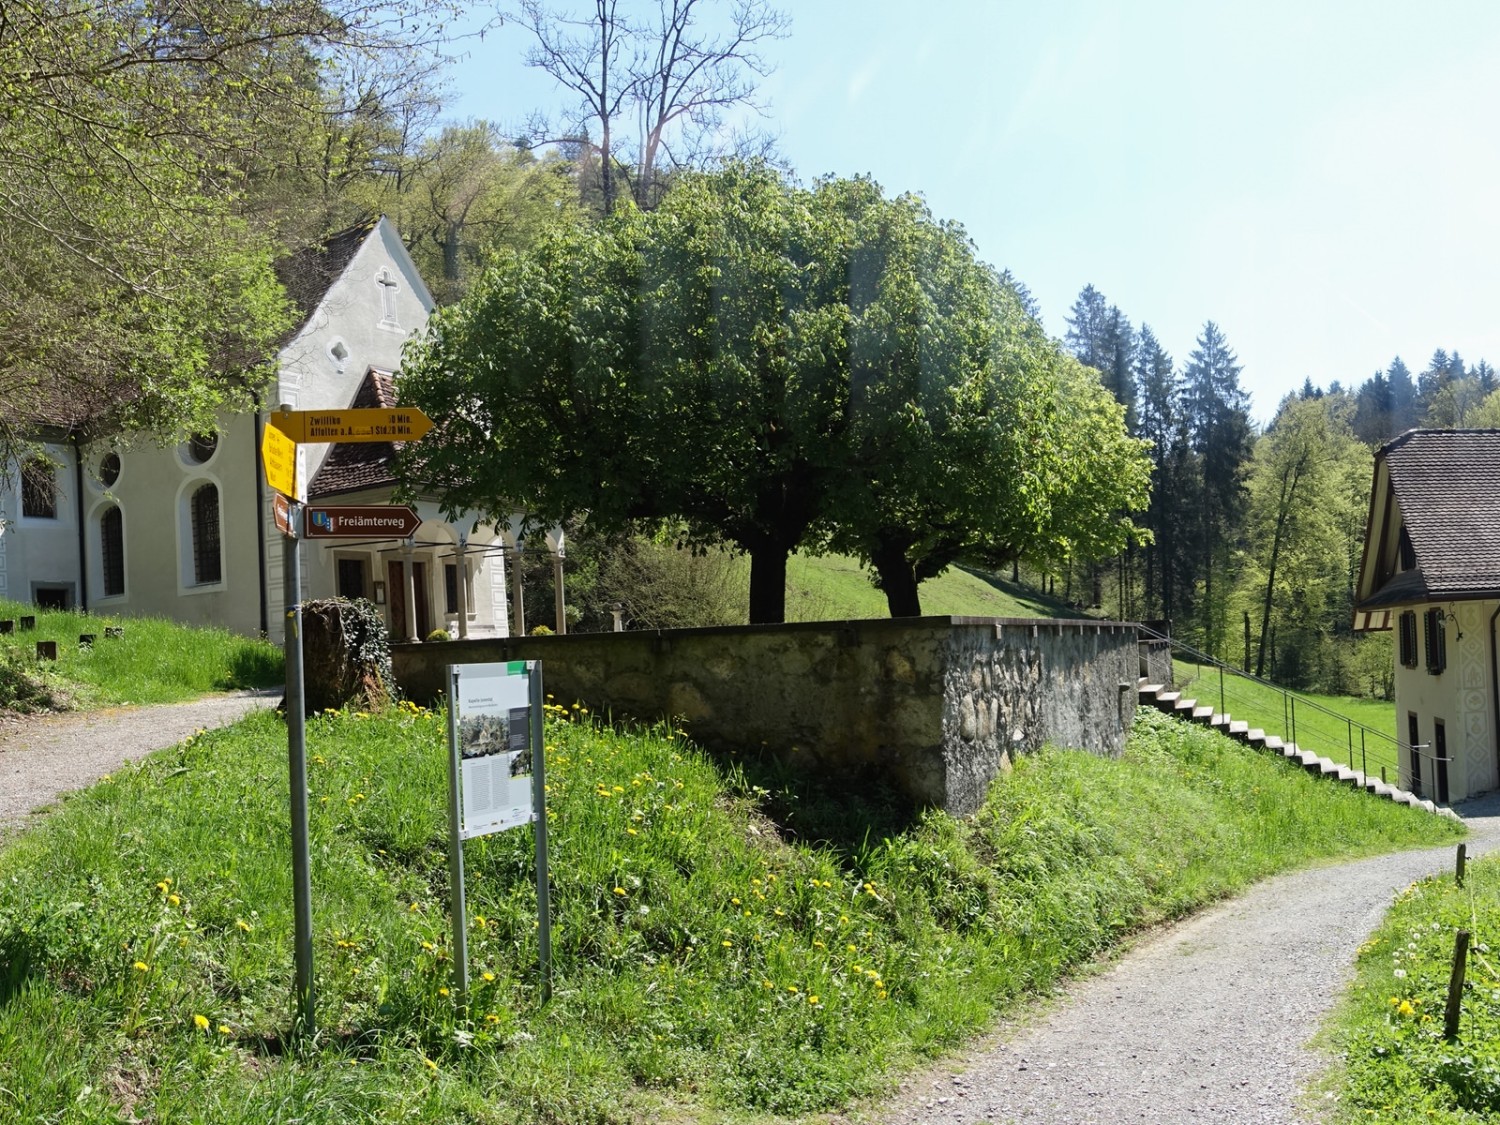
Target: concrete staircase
[1165, 699]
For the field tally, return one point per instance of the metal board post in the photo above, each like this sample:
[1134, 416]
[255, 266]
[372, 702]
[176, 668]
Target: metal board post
[296, 734]
[458, 904]
[539, 804]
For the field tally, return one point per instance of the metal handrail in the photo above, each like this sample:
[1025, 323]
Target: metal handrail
[1290, 704]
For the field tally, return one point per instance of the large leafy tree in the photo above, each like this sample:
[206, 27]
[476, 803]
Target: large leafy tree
[950, 386]
[774, 366]
[1308, 487]
[459, 194]
[680, 363]
[141, 146]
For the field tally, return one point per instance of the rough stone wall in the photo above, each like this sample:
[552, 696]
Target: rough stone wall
[1156, 661]
[936, 704]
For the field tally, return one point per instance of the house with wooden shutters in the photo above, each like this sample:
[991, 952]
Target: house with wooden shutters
[1431, 574]
[187, 532]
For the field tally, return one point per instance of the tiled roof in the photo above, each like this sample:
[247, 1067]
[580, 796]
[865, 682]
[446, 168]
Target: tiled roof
[355, 466]
[1447, 484]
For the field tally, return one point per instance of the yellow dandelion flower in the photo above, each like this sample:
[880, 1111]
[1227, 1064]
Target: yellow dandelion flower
[141, 967]
[428, 1063]
[488, 976]
[818, 945]
[224, 1029]
[766, 984]
[793, 988]
[735, 901]
[727, 943]
[242, 925]
[619, 890]
[1405, 1009]
[174, 900]
[631, 832]
[813, 999]
[200, 1022]
[492, 1018]
[164, 886]
[442, 992]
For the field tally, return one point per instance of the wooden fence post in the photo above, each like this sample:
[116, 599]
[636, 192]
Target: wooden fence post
[1456, 985]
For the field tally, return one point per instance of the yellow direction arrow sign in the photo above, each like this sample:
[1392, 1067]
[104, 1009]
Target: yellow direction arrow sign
[362, 424]
[278, 453]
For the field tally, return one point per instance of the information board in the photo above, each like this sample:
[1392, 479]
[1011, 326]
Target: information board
[491, 707]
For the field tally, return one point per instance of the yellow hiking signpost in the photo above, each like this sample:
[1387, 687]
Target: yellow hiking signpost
[405, 423]
[287, 429]
[278, 456]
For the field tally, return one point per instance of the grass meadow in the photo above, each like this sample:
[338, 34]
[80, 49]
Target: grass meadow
[154, 661]
[1396, 1064]
[731, 944]
[837, 587]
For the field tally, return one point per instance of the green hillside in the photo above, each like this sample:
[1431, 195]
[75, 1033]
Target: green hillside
[836, 587]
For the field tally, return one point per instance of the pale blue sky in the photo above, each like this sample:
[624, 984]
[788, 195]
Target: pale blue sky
[1319, 178]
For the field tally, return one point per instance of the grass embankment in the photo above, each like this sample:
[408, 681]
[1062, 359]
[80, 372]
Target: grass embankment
[155, 661]
[1322, 727]
[710, 965]
[836, 588]
[1397, 1065]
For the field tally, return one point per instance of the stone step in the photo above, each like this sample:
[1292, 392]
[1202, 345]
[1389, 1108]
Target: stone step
[1255, 736]
[1272, 742]
[1217, 720]
[1237, 729]
[1203, 714]
[1185, 706]
[1166, 700]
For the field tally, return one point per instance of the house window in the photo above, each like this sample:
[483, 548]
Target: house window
[109, 470]
[450, 587]
[1437, 642]
[201, 448]
[1406, 552]
[112, 551]
[207, 566]
[1407, 628]
[38, 489]
[351, 578]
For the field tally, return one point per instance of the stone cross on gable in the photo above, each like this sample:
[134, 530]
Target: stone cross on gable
[388, 288]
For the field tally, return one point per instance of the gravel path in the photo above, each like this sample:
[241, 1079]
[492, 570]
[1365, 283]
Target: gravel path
[1208, 1020]
[42, 757]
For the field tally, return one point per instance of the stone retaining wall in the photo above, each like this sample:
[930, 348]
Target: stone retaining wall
[1156, 661]
[937, 704]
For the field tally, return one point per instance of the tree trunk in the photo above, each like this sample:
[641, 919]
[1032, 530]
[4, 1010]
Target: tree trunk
[898, 579]
[768, 585]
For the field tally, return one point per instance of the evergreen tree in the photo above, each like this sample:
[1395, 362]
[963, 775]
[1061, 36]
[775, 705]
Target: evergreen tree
[1162, 422]
[1372, 410]
[1100, 336]
[1406, 411]
[1219, 433]
[1485, 374]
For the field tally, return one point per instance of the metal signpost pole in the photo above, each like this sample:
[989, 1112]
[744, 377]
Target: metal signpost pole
[456, 853]
[296, 733]
[539, 805]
